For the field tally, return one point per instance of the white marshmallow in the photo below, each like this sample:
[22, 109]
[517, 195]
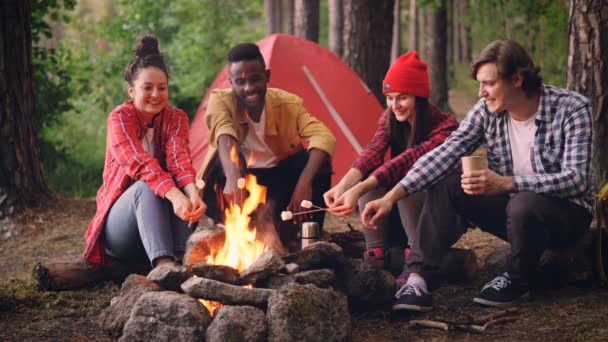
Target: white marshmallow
[240, 183]
[286, 215]
[200, 184]
[306, 204]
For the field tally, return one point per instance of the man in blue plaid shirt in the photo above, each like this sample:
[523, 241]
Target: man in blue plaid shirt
[536, 193]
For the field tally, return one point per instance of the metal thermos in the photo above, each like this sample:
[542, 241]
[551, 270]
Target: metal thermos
[310, 233]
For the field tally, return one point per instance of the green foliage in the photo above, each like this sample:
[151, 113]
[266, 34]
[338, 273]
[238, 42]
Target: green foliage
[541, 27]
[82, 81]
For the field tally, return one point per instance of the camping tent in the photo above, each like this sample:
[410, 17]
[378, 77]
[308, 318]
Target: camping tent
[331, 90]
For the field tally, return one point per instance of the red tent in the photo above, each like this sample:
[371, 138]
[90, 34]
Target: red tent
[331, 90]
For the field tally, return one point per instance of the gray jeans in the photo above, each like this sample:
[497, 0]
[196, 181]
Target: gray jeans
[409, 212]
[142, 225]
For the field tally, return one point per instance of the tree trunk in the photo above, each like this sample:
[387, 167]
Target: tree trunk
[464, 33]
[274, 16]
[306, 19]
[588, 70]
[413, 27]
[396, 45]
[435, 23]
[368, 27]
[291, 16]
[456, 22]
[21, 180]
[336, 25]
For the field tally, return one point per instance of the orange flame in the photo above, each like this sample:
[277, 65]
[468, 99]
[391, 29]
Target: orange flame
[241, 248]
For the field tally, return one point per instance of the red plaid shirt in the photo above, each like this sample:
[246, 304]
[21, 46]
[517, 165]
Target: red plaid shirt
[127, 162]
[390, 172]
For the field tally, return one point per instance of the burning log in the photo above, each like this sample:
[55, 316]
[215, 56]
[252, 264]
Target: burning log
[208, 237]
[225, 293]
[223, 273]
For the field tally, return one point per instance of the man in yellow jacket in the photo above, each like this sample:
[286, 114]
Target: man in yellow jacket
[265, 127]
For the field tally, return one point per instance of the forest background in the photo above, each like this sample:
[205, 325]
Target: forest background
[81, 47]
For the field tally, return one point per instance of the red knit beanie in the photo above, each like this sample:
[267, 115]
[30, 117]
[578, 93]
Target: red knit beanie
[407, 75]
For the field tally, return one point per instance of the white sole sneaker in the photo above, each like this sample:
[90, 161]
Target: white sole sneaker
[500, 304]
[410, 307]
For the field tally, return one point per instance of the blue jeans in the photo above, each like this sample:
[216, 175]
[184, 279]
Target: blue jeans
[142, 225]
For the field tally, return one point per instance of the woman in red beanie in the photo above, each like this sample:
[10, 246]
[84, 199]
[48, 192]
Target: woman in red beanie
[410, 127]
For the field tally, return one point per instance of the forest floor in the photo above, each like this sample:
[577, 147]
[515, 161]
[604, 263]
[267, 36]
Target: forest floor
[26, 314]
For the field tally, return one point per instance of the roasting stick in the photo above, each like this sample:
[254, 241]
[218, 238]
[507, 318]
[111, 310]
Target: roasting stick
[287, 215]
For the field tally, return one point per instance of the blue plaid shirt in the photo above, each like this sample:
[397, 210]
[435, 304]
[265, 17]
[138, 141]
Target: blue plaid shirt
[561, 155]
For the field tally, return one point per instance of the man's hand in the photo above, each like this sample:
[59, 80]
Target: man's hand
[374, 210]
[486, 182]
[232, 193]
[303, 191]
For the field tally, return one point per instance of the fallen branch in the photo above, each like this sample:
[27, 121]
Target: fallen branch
[475, 325]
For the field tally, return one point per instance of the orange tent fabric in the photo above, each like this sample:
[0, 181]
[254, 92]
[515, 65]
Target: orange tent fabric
[331, 90]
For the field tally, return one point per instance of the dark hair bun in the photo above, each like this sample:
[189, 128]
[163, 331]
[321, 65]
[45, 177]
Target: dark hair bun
[147, 45]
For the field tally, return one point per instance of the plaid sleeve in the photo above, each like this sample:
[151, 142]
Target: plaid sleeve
[567, 168]
[390, 172]
[126, 148]
[372, 155]
[432, 166]
[177, 150]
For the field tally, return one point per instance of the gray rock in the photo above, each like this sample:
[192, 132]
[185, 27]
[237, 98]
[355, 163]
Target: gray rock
[166, 316]
[496, 261]
[223, 273]
[169, 276]
[266, 264]
[307, 313]
[320, 254]
[238, 324]
[276, 281]
[319, 278]
[113, 318]
[366, 284]
[292, 268]
[225, 293]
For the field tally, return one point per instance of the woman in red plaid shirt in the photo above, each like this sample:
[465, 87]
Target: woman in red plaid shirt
[148, 196]
[410, 127]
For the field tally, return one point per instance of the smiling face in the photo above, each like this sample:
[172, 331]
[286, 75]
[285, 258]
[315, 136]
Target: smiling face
[249, 79]
[402, 105]
[150, 91]
[498, 92]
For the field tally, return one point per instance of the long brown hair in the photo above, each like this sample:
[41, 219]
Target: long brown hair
[402, 134]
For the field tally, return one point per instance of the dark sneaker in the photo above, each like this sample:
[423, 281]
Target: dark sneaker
[501, 291]
[410, 297]
[376, 255]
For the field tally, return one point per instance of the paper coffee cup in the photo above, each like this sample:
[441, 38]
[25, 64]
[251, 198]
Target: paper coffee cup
[473, 163]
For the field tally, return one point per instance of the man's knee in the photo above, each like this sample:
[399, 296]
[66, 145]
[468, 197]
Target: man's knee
[522, 206]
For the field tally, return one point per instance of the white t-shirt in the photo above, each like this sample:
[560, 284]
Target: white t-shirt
[147, 142]
[257, 152]
[521, 138]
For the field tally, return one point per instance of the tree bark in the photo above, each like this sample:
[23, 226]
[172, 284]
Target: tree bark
[588, 70]
[413, 26]
[21, 180]
[306, 19]
[368, 27]
[274, 16]
[465, 33]
[336, 25]
[435, 23]
[396, 44]
[291, 16]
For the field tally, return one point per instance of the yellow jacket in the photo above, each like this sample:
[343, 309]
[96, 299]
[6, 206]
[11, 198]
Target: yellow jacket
[287, 123]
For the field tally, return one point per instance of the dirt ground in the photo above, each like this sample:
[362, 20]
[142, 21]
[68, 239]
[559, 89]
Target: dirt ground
[564, 314]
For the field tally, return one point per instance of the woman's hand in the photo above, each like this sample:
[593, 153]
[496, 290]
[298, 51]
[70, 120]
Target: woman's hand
[182, 206]
[198, 206]
[332, 195]
[346, 203]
